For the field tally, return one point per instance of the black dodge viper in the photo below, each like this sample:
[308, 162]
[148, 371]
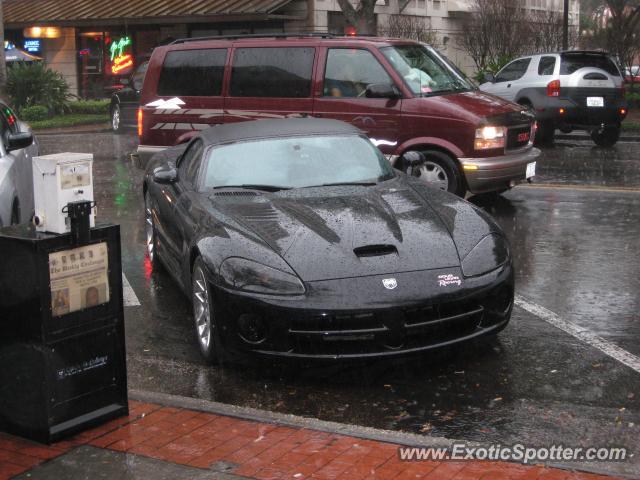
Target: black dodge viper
[297, 238]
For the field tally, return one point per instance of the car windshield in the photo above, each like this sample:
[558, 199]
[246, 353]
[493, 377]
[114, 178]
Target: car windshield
[296, 162]
[425, 71]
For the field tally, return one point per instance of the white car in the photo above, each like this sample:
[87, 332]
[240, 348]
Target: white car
[16, 179]
[571, 90]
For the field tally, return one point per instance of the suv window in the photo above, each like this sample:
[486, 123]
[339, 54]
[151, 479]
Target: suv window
[514, 70]
[349, 71]
[188, 168]
[272, 72]
[575, 61]
[192, 73]
[547, 65]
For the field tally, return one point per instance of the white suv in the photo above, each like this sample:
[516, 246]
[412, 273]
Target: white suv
[572, 90]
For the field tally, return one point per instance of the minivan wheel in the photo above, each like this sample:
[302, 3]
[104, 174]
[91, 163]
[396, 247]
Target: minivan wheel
[545, 133]
[206, 329]
[116, 120]
[607, 137]
[440, 171]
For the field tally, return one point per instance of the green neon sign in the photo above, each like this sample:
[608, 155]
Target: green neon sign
[117, 48]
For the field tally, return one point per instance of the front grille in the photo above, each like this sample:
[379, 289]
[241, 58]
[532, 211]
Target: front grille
[384, 330]
[518, 137]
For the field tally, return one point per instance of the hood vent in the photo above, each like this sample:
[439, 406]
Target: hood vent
[375, 251]
[238, 193]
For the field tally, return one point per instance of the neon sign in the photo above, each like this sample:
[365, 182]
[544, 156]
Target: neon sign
[122, 63]
[117, 48]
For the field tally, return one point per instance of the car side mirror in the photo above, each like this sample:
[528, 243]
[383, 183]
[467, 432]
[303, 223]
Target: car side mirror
[489, 77]
[165, 175]
[382, 90]
[413, 159]
[16, 141]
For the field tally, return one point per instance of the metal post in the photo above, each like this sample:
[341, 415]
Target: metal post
[565, 26]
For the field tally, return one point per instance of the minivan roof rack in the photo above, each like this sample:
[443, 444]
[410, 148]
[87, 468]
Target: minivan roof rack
[258, 35]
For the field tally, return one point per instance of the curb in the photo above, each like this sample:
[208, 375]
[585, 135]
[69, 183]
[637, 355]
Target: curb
[357, 431]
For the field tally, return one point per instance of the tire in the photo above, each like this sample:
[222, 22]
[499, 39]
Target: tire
[608, 137]
[116, 119]
[546, 132]
[15, 213]
[205, 327]
[150, 234]
[440, 171]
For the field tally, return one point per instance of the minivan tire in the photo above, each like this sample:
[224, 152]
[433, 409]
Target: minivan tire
[116, 119]
[545, 133]
[608, 137]
[442, 166]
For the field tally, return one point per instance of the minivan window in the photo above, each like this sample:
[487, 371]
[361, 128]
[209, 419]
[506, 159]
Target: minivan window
[547, 65]
[570, 62]
[425, 72]
[514, 70]
[193, 73]
[272, 72]
[138, 76]
[349, 71]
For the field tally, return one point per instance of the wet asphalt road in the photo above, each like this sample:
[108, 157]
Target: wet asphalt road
[576, 241]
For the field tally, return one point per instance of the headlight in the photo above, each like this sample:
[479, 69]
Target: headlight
[250, 276]
[490, 137]
[490, 253]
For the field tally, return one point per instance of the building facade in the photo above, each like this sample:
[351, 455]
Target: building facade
[94, 43]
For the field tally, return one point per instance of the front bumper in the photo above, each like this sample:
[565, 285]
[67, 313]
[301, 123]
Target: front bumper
[498, 173]
[351, 328]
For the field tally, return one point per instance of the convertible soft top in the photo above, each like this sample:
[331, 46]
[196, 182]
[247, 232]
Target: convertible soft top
[273, 128]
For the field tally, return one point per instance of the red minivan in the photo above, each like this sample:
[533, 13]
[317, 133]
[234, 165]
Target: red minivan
[403, 94]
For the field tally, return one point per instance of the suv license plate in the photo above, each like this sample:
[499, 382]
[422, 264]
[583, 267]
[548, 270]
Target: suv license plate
[531, 170]
[595, 102]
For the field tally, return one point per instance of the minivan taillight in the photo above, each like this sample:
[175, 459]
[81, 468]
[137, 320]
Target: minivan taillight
[553, 88]
[140, 122]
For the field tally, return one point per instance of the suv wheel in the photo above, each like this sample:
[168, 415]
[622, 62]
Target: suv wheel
[116, 119]
[546, 132]
[440, 171]
[607, 137]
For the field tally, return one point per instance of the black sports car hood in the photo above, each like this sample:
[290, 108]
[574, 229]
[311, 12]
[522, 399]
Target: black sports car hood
[340, 232]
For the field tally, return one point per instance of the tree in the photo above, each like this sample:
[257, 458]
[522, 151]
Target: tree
[3, 63]
[623, 30]
[408, 26]
[361, 16]
[493, 32]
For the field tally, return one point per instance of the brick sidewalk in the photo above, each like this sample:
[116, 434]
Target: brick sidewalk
[257, 450]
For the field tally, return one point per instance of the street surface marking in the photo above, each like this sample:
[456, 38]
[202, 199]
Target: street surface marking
[582, 188]
[128, 295]
[606, 347]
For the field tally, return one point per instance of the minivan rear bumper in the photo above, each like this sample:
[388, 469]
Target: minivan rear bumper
[497, 173]
[144, 153]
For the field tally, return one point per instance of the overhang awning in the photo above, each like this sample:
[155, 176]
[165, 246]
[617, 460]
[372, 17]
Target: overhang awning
[21, 13]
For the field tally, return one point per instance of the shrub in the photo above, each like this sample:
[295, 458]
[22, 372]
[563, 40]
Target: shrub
[90, 106]
[35, 84]
[34, 113]
[633, 98]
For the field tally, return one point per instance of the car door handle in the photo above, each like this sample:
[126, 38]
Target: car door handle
[509, 86]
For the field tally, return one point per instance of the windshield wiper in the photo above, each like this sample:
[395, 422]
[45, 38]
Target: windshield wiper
[249, 186]
[338, 184]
